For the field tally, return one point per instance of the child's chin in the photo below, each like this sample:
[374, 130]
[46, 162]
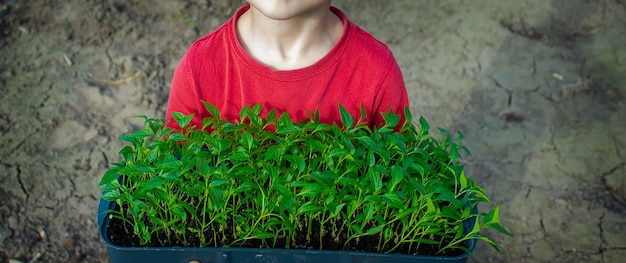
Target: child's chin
[286, 9]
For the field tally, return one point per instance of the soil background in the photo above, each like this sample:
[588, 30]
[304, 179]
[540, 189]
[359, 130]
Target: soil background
[537, 87]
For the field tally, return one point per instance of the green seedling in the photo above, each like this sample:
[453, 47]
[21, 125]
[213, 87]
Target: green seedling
[297, 185]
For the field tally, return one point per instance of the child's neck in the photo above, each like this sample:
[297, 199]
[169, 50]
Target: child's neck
[291, 43]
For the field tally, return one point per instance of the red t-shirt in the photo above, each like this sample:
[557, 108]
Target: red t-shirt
[358, 70]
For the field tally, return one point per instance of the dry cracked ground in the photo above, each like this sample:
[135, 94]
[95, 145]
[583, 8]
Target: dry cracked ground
[537, 87]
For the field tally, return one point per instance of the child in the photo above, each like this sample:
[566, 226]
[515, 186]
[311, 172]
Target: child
[294, 56]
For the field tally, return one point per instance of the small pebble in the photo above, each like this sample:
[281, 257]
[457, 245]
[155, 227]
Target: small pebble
[23, 29]
[42, 233]
[35, 258]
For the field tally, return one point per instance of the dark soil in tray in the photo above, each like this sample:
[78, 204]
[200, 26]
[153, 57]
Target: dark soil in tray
[123, 236]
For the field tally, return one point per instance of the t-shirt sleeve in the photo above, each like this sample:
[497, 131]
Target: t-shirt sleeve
[183, 95]
[392, 94]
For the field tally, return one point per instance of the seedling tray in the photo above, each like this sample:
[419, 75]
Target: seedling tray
[119, 254]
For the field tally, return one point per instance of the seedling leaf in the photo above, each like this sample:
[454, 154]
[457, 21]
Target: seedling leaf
[182, 120]
[346, 119]
[391, 119]
[212, 109]
[374, 230]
